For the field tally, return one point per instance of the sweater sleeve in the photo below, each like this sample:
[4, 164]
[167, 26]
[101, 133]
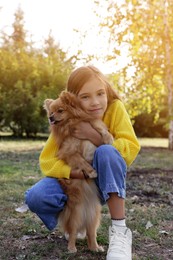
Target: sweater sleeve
[50, 164]
[119, 125]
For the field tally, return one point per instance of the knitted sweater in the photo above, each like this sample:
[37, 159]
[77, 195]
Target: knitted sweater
[119, 125]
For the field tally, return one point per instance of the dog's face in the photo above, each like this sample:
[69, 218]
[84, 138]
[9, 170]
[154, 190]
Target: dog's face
[62, 109]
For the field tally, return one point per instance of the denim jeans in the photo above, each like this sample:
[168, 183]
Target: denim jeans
[46, 198]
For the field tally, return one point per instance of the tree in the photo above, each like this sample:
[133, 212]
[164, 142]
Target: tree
[145, 30]
[19, 34]
[27, 77]
[59, 66]
[168, 66]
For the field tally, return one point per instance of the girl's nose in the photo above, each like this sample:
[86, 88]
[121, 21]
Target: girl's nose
[94, 101]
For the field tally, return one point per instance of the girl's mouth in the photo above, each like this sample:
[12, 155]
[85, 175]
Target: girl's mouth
[98, 112]
[95, 110]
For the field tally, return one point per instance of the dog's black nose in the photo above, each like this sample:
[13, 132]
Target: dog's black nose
[51, 119]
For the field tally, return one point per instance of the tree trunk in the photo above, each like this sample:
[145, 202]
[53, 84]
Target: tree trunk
[168, 74]
[171, 135]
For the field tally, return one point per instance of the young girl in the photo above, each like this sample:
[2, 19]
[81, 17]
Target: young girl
[46, 198]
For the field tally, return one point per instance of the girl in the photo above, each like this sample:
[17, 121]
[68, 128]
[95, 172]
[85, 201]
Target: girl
[47, 199]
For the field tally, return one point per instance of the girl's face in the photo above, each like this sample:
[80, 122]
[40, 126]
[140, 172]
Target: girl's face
[93, 98]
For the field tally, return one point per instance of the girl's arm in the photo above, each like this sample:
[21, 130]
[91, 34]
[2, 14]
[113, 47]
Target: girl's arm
[119, 125]
[51, 166]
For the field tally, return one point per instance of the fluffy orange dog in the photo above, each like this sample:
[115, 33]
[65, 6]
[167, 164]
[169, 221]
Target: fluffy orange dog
[83, 209]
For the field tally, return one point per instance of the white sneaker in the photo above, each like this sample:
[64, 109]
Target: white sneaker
[80, 235]
[120, 243]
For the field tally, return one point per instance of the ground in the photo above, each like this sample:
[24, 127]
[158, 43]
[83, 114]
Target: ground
[149, 210]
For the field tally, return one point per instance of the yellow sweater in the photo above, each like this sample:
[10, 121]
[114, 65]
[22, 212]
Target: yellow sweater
[119, 125]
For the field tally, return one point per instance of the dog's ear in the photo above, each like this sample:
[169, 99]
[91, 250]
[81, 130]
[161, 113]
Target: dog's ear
[47, 103]
[69, 99]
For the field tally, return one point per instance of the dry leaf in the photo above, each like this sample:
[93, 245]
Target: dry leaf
[148, 225]
[22, 209]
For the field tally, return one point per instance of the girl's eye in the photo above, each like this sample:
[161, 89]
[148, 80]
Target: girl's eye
[101, 93]
[84, 97]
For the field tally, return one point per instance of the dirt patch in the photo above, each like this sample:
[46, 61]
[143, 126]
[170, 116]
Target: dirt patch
[150, 193]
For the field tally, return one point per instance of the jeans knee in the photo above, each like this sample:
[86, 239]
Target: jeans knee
[45, 196]
[33, 199]
[104, 148]
[109, 155]
[105, 151]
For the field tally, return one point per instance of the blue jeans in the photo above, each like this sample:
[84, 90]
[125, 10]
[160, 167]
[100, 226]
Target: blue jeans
[46, 198]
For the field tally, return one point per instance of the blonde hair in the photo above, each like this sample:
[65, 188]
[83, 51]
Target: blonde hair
[83, 74]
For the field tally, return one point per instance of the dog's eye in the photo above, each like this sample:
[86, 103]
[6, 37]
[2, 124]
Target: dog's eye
[60, 110]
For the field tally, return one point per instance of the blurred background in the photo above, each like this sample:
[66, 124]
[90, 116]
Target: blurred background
[41, 42]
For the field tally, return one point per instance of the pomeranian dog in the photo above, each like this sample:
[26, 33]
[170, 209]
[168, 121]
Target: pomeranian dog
[83, 210]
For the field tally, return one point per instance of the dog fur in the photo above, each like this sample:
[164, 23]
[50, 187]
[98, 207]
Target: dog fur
[83, 210]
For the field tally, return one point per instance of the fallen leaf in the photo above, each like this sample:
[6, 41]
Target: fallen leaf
[148, 225]
[22, 209]
[164, 232]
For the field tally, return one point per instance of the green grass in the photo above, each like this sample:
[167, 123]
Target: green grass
[149, 189]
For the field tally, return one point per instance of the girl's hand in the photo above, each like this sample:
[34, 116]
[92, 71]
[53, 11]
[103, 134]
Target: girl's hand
[85, 131]
[77, 174]
[82, 130]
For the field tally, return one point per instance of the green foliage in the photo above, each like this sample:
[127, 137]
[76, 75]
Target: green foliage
[27, 77]
[145, 127]
[144, 31]
[148, 125]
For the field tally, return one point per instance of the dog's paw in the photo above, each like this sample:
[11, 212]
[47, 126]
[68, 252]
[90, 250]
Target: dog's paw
[97, 249]
[107, 138]
[92, 174]
[100, 249]
[72, 250]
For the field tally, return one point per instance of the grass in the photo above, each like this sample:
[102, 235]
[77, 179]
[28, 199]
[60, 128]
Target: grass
[149, 199]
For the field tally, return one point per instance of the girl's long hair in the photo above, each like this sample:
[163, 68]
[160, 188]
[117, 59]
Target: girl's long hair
[83, 74]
